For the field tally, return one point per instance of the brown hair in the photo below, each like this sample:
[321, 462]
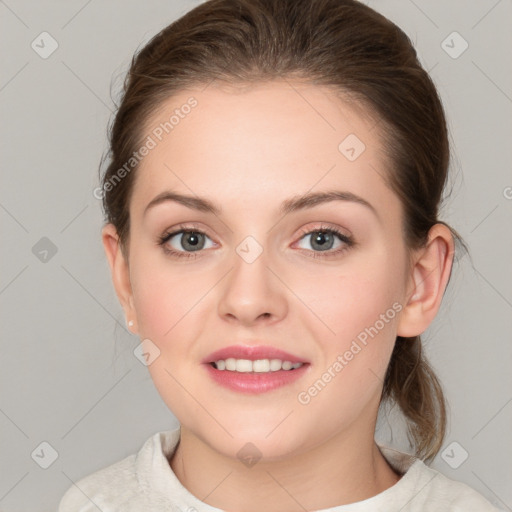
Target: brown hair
[342, 44]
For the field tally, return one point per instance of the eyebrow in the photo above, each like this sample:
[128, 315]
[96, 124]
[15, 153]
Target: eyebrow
[293, 204]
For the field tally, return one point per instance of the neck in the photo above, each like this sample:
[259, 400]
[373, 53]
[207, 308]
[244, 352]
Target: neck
[347, 468]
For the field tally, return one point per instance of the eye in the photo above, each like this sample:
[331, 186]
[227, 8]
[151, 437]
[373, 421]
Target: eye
[188, 242]
[325, 239]
[182, 242]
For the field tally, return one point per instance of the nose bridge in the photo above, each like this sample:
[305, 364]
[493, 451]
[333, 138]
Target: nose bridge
[251, 290]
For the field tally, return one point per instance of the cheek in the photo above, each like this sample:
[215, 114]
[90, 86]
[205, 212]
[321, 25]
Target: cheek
[361, 309]
[354, 297]
[156, 313]
[163, 297]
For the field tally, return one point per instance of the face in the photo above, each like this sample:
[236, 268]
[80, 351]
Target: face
[322, 280]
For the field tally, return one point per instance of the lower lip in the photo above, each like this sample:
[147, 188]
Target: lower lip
[255, 382]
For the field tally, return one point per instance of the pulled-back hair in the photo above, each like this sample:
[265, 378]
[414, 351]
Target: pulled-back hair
[342, 44]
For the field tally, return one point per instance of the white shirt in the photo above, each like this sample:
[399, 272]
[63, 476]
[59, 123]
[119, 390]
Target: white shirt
[145, 482]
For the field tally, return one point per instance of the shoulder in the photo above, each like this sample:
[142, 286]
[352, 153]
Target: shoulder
[102, 489]
[425, 489]
[435, 492]
[120, 486]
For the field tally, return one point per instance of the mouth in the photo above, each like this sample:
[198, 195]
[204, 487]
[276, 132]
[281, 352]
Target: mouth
[257, 366]
[254, 369]
[252, 353]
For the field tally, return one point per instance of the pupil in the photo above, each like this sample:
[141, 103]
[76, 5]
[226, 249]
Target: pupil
[323, 240]
[192, 240]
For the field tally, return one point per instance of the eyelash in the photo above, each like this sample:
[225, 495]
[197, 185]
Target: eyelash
[162, 240]
[347, 240]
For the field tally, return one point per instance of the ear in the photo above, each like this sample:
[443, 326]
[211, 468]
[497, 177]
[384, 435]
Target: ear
[429, 277]
[120, 273]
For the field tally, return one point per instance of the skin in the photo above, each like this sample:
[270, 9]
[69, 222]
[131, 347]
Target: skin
[247, 150]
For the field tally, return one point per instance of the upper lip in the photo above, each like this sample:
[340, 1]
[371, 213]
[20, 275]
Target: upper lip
[252, 353]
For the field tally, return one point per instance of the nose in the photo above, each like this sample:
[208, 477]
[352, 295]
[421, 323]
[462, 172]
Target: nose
[252, 294]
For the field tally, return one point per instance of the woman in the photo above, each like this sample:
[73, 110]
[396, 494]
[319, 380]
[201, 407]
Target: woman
[273, 236]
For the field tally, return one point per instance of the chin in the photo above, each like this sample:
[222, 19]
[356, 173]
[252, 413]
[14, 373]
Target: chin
[259, 440]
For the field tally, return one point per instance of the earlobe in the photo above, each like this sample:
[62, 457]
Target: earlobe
[120, 273]
[427, 283]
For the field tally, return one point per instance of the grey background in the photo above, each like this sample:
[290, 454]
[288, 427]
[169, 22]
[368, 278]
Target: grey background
[68, 374]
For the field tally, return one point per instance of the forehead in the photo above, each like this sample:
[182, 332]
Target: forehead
[262, 142]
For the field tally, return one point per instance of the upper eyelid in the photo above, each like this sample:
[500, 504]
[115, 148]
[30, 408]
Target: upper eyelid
[196, 228]
[180, 228]
[324, 226]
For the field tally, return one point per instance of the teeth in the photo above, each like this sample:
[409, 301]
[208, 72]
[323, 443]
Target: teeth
[258, 366]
